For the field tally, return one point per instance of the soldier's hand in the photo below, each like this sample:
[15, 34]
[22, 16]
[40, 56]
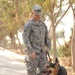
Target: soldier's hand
[47, 49]
[33, 55]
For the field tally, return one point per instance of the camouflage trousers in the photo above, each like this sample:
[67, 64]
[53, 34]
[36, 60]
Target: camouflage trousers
[38, 63]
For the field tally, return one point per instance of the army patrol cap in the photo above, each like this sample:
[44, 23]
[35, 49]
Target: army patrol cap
[37, 9]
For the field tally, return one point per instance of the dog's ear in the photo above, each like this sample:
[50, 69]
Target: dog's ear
[56, 60]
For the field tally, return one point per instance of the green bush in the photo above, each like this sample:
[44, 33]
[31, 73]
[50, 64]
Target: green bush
[64, 51]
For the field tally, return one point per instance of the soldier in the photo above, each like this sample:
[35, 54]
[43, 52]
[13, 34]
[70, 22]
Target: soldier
[35, 37]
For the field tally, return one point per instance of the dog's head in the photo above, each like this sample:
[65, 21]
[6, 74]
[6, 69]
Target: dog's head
[51, 68]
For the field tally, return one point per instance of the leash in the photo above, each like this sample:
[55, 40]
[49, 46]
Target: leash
[47, 54]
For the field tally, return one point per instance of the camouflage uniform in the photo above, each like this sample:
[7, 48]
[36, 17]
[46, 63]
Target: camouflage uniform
[35, 37]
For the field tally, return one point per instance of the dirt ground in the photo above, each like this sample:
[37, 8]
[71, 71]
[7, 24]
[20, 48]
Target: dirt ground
[69, 71]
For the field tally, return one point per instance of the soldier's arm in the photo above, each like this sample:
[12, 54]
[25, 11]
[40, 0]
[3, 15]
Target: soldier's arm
[47, 39]
[26, 35]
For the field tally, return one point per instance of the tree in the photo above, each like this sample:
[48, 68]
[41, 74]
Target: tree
[72, 3]
[9, 25]
[73, 47]
[55, 13]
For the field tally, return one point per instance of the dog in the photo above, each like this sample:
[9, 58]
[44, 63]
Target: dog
[54, 68]
[51, 68]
